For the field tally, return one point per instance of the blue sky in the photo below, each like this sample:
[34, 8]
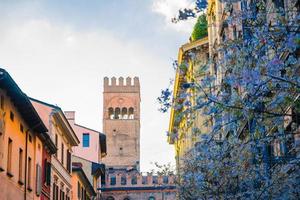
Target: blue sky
[59, 52]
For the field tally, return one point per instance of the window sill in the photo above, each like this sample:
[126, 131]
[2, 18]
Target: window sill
[9, 174]
[29, 189]
[21, 182]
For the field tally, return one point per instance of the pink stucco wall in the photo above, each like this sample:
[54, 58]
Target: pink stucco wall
[91, 153]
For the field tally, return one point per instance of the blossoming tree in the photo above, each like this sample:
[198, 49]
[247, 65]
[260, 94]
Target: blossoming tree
[252, 106]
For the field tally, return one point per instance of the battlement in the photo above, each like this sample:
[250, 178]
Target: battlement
[123, 179]
[121, 85]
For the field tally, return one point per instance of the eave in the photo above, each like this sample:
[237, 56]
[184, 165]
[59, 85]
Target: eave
[62, 121]
[68, 130]
[84, 179]
[21, 102]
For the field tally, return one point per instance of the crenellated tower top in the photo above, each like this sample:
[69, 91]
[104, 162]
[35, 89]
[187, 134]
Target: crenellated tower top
[121, 122]
[120, 85]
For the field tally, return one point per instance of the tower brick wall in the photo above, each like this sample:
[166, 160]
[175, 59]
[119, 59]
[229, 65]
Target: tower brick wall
[121, 122]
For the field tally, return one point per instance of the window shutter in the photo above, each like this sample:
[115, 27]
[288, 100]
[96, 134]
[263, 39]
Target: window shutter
[54, 191]
[69, 161]
[78, 190]
[48, 173]
[38, 179]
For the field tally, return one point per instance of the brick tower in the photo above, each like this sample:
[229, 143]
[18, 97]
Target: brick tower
[121, 122]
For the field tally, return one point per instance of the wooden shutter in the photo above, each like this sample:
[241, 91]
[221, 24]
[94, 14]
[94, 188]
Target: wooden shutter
[69, 161]
[38, 179]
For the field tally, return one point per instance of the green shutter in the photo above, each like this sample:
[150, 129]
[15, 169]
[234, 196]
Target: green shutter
[48, 173]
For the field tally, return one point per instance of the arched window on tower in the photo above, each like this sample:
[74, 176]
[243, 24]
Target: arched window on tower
[131, 113]
[118, 113]
[124, 113]
[111, 113]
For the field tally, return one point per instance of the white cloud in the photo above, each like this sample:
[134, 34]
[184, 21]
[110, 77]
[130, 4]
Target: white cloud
[57, 64]
[169, 9]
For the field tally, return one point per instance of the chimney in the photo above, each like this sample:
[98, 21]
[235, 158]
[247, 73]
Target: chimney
[70, 115]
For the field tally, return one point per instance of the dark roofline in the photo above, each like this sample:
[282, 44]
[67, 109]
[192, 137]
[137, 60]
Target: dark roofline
[82, 158]
[47, 104]
[98, 169]
[86, 128]
[21, 102]
[86, 180]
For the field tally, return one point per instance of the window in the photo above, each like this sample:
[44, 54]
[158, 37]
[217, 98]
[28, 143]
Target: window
[2, 102]
[68, 161]
[124, 113]
[144, 180]
[234, 33]
[113, 180]
[21, 128]
[131, 113]
[38, 180]
[55, 192]
[133, 180]
[85, 140]
[62, 153]
[30, 138]
[154, 180]
[9, 155]
[165, 180]
[29, 174]
[12, 116]
[61, 194]
[47, 172]
[56, 143]
[118, 113]
[78, 190]
[279, 148]
[224, 36]
[20, 165]
[111, 113]
[123, 180]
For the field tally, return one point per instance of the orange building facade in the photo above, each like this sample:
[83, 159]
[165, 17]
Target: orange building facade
[23, 142]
